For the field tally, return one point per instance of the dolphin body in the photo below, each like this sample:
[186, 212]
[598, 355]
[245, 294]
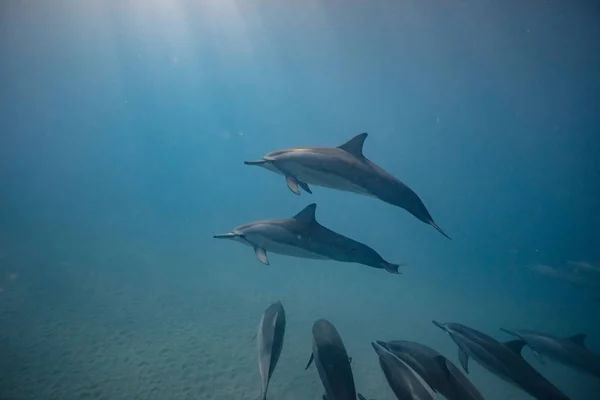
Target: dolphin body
[570, 351]
[271, 331]
[405, 382]
[439, 372]
[332, 362]
[302, 236]
[502, 359]
[344, 168]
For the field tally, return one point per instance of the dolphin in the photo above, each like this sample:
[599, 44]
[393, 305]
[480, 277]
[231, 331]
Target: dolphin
[570, 351]
[502, 359]
[439, 372]
[302, 236]
[404, 381]
[271, 331]
[343, 168]
[332, 362]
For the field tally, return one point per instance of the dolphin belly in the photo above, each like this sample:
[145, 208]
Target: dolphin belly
[284, 247]
[325, 178]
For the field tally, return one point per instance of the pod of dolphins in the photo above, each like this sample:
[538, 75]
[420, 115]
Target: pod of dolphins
[412, 370]
[415, 371]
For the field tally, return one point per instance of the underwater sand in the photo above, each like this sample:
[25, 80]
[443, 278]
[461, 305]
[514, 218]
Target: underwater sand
[136, 323]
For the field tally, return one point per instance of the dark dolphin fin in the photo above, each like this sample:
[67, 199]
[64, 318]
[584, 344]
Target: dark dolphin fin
[307, 215]
[305, 186]
[578, 339]
[516, 345]
[292, 184]
[392, 268]
[439, 229]
[464, 360]
[310, 360]
[261, 254]
[361, 397]
[355, 145]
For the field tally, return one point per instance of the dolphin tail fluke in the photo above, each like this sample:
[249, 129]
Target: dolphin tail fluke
[392, 268]
[439, 229]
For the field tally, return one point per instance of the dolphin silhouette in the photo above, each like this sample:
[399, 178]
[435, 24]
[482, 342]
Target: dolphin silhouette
[271, 331]
[344, 168]
[302, 236]
[405, 382]
[439, 372]
[332, 361]
[570, 351]
[502, 359]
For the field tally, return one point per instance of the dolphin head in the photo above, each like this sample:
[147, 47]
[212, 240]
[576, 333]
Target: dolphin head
[266, 162]
[235, 235]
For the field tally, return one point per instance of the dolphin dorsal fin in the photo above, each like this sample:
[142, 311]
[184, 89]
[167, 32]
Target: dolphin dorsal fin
[307, 215]
[355, 145]
[515, 345]
[578, 339]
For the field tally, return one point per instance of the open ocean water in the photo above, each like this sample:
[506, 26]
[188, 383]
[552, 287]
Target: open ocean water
[124, 127]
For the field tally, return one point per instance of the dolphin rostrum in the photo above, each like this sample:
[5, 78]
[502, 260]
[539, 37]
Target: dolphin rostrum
[271, 331]
[439, 372]
[405, 382]
[332, 362]
[570, 351]
[302, 236]
[502, 359]
[344, 168]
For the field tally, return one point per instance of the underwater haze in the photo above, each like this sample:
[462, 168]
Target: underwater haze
[125, 127]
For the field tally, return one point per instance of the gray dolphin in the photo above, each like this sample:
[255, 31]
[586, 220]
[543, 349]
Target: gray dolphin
[405, 382]
[502, 359]
[271, 331]
[344, 168]
[570, 351]
[332, 362]
[439, 372]
[302, 236]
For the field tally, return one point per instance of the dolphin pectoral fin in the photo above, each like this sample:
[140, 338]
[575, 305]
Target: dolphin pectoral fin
[305, 186]
[439, 229]
[464, 360]
[539, 357]
[361, 397]
[261, 254]
[310, 360]
[292, 184]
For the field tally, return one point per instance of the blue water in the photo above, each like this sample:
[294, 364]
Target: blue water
[124, 127]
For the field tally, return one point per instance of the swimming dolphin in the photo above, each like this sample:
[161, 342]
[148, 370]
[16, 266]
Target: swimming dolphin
[502, 359]
[344, 168]
[332, 362]
[439, 372]
[569, 351]
[302, 236]
[405, 382]
[271, 331]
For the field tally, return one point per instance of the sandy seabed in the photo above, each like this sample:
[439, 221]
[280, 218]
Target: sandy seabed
[144, 328]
